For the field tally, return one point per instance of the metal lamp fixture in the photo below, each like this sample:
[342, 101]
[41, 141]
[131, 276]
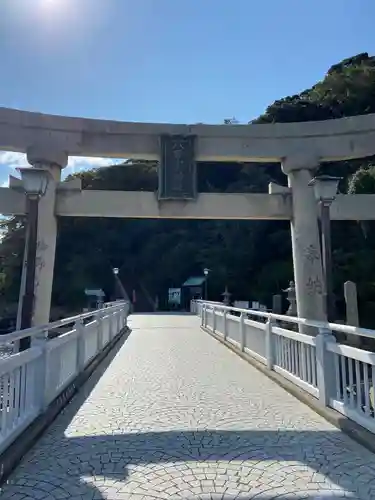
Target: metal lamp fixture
[325, 187]
[35, 181]
[119, 289]
[205, 272]
[325, 190]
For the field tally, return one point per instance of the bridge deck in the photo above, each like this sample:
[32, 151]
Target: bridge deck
[178, 415]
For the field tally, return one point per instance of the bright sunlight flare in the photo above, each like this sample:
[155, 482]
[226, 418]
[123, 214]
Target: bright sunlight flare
[52, 3]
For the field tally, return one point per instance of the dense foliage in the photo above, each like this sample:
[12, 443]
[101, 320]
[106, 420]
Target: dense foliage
[252, 258]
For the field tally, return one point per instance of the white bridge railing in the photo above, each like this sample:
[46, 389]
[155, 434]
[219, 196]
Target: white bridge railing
[339, 376]
[32, 379]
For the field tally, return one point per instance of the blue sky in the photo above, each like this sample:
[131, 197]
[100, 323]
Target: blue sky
[181, 61]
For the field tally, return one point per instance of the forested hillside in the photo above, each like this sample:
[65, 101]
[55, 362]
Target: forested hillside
[252, 258]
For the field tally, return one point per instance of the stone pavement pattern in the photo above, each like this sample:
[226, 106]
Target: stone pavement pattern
[178, 415]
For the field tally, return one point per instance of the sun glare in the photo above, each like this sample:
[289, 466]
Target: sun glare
[54, 9]
[50, 3]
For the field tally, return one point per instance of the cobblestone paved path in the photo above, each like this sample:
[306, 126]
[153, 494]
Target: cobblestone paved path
[178, 415]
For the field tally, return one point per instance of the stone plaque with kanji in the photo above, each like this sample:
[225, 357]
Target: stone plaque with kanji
[177, 168]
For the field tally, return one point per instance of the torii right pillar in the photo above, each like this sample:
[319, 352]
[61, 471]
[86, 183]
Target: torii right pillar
[307, 260]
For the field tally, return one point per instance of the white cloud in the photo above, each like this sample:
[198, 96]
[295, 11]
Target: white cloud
[9, 161]
[5, 171]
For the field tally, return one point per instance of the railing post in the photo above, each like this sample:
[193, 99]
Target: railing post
[113, 324]
[118, 313]
[225, 325]
[325, 368]
[122, 317]
[41, 371]
[99, 319]
[203, 314]
[126, 314]
[81, 345]
[114, 321]
[214, 319]
[242, 331]
[270, 344]
[110, 325]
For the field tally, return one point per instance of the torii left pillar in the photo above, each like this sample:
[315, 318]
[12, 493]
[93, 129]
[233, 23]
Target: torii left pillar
[54, 161]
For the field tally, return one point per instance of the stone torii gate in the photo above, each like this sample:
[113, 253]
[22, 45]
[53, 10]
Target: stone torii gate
[299, 147]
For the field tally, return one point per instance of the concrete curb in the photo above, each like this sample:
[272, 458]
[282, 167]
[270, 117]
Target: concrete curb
[351, 428]
[11, 457]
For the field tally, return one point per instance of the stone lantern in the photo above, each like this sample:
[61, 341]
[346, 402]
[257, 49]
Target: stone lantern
[291, 297]
[226, 296]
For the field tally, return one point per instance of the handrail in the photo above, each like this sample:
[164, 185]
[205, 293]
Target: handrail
[341, 377]
[31, 332]
[324, 325]
[32, 379]
[113, 303]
